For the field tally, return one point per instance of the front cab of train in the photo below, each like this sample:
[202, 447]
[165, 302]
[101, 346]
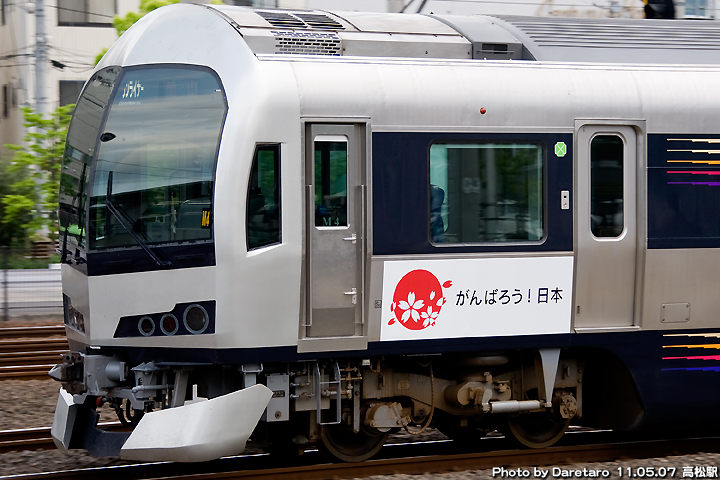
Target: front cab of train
[136, 210]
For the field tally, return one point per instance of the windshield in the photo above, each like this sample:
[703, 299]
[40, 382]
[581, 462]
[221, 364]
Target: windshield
[160, 142]
[79, 151]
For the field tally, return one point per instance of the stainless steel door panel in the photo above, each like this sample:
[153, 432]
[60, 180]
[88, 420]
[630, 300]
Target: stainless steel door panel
[606, 239]
[334, 216]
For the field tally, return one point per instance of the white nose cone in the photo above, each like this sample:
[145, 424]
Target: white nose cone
[200, 431]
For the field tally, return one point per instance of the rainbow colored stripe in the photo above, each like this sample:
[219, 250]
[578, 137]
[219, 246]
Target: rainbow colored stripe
[695, 354]
[710, 141]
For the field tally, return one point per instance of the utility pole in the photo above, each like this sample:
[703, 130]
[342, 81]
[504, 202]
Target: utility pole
[41, 102]
[42, 105]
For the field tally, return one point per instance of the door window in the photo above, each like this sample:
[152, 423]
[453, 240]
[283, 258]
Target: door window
[331, 160]
[606, 186]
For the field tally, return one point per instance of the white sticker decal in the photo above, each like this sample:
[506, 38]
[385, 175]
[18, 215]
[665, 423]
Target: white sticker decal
[428, 299]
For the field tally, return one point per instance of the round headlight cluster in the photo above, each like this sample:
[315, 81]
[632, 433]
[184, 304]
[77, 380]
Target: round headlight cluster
[146, 325]
[195, 318]
[169, 324]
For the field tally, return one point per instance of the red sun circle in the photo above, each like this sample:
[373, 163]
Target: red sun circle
[418, 300]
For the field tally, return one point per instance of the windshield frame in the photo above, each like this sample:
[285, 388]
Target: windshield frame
[133, 257]
[99, 190]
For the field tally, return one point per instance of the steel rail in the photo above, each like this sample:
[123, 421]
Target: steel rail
[29, 332]
[33, 345]
[38, 438]
[410, 459]
[27, 372]
[24, 357]
[18, 359]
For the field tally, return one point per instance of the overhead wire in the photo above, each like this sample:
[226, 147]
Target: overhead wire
[87, 12]
[79, 63]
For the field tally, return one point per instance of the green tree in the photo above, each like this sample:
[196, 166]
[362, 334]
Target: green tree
[146, 6]
[29, 204]
[8, 231]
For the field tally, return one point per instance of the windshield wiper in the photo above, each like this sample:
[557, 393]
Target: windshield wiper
[128, 227]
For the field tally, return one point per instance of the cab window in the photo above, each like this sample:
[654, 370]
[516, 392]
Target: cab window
[263, 198]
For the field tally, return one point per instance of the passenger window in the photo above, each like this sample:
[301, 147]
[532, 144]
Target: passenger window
[606, 186]
[486, 193]
[263, 200]
[331, 182]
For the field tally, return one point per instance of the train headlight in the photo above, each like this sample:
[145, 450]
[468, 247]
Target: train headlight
[196, 318]
[146, 325]
[191, 318]
[169, 324]
[73, 318]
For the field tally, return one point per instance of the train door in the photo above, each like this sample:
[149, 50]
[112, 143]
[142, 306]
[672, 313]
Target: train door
[335, 235]
[606, 226]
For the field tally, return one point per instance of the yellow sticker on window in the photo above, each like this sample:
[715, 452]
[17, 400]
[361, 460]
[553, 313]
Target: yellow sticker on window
[205, 218]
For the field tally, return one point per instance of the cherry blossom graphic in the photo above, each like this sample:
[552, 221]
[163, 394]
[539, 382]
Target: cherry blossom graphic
[418, 300]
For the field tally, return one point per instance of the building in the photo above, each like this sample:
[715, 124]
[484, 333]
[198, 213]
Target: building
[75, 32]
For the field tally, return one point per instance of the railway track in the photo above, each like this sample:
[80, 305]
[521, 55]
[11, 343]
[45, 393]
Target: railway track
[408, 459]
[28, 353]
[39, 438]
[32, 332]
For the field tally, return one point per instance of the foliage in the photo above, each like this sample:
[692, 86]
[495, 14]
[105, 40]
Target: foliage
[99, 56]
[19, 258]
[30, 201]
[121, 24]
[8, 231]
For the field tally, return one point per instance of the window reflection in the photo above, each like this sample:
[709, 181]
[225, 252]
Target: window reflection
[330, 184]
[482, 193]
[160, 141]
[263, 201]
[606, 186]
[78, 155]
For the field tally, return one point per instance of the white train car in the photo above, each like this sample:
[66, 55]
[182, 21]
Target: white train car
[309, 227]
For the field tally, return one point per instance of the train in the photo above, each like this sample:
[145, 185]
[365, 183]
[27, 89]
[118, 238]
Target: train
[317, 229]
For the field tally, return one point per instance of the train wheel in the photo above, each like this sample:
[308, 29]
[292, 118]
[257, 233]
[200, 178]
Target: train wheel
[131, 417]
[536, 430]
[341, 443]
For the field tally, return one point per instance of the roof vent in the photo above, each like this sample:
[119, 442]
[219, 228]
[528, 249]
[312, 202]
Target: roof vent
[312, 21]
[282, 20]
[319, 22]
[307, 43]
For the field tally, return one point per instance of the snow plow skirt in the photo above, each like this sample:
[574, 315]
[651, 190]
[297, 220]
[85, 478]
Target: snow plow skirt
[198, 432]
[65, 414]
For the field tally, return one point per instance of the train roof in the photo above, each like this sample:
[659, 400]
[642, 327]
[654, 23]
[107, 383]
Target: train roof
[611, 40]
